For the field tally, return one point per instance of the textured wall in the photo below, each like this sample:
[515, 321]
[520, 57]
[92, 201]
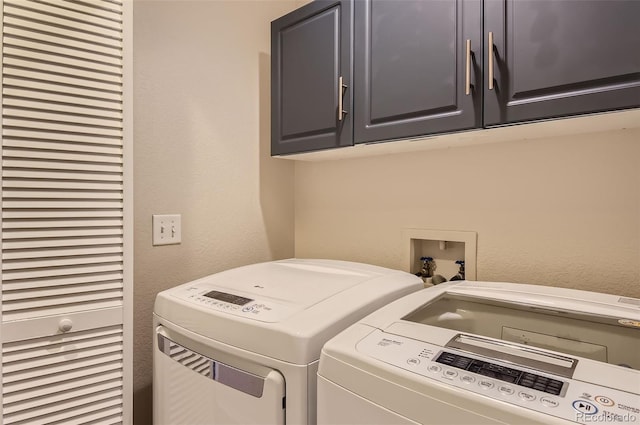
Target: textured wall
[202, 93]
[561, 211]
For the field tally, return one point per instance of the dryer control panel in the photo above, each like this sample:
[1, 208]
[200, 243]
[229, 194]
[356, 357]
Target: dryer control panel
[224, 301]
[550, 394]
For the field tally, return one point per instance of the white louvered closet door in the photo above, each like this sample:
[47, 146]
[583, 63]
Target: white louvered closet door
[66, 212]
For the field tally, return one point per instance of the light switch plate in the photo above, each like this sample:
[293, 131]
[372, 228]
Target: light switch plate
[167, 229]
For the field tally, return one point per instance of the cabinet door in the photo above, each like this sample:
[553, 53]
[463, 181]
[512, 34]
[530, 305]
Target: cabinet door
[311, 56]
[410, 63]
[556, 58]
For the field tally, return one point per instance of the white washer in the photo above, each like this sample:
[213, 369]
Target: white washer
[242, 346]
[486, 353]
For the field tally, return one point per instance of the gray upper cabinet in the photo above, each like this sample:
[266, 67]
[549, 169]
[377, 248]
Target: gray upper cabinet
[310, 78]
[413, 72]
[362, 71]
[557, 58]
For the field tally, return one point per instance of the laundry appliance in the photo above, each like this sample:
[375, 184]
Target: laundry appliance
[486, 353]
[242, 346]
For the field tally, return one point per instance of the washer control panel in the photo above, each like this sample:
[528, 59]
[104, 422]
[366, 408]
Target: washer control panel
[235, 304]
[562, 397]
[502, 373]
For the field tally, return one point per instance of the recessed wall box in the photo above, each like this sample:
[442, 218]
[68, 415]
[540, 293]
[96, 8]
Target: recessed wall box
[444, 246]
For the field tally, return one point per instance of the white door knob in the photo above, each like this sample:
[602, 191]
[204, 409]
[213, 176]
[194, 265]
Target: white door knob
[65, 325]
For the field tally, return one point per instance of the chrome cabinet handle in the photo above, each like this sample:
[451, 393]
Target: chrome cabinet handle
[341, 89]
[490, 60]
[468, 70]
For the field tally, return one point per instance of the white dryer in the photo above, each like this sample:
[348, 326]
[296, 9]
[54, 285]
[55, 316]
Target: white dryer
[486, 353]
[242, 346]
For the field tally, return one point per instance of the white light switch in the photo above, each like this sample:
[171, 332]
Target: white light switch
[167, 229]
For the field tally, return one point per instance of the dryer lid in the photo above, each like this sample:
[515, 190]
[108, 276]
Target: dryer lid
[275, 291]
[284, 309]
[295, 281]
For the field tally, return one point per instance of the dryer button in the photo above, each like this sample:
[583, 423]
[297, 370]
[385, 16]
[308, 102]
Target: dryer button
[450, 374]
[467, 379]
[434, 368]
[413, 361]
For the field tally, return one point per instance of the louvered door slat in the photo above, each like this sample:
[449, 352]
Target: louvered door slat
[60, 146]
[57, 194]
[72, 62]
[14, 185]
[79, 29]
[36, 195]
[80, 369]
[32, 399]
[76, 222]
[56, 214]
[24, 358]
[34, 124]
[60, 271]
[51, 282]
[63, 211]
[13, 77]
[18, 116]
[65, 42]
[25, 23]
[47, 155]
[59, 16]
[87, 301]
[48, 204]
[93, 8]
[11, 73]
[62, 108]
[17, 173]
[63, 54]
[60, 253]
[64, 76]
[98, 360]
[66, 243]
[38, 391]
[78, 410]
[71, 406]
[94, 292]
[56, 97]
[83, 76]
[79, 138]
[60, 165]
[45, 262]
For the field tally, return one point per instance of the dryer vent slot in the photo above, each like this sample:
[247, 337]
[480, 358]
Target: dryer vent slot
[230, 376]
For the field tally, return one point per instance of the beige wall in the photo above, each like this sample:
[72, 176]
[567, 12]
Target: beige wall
[561, 211]
[201, 93]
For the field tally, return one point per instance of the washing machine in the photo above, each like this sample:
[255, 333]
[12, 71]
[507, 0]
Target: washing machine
[242, 346]
[486, 353]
